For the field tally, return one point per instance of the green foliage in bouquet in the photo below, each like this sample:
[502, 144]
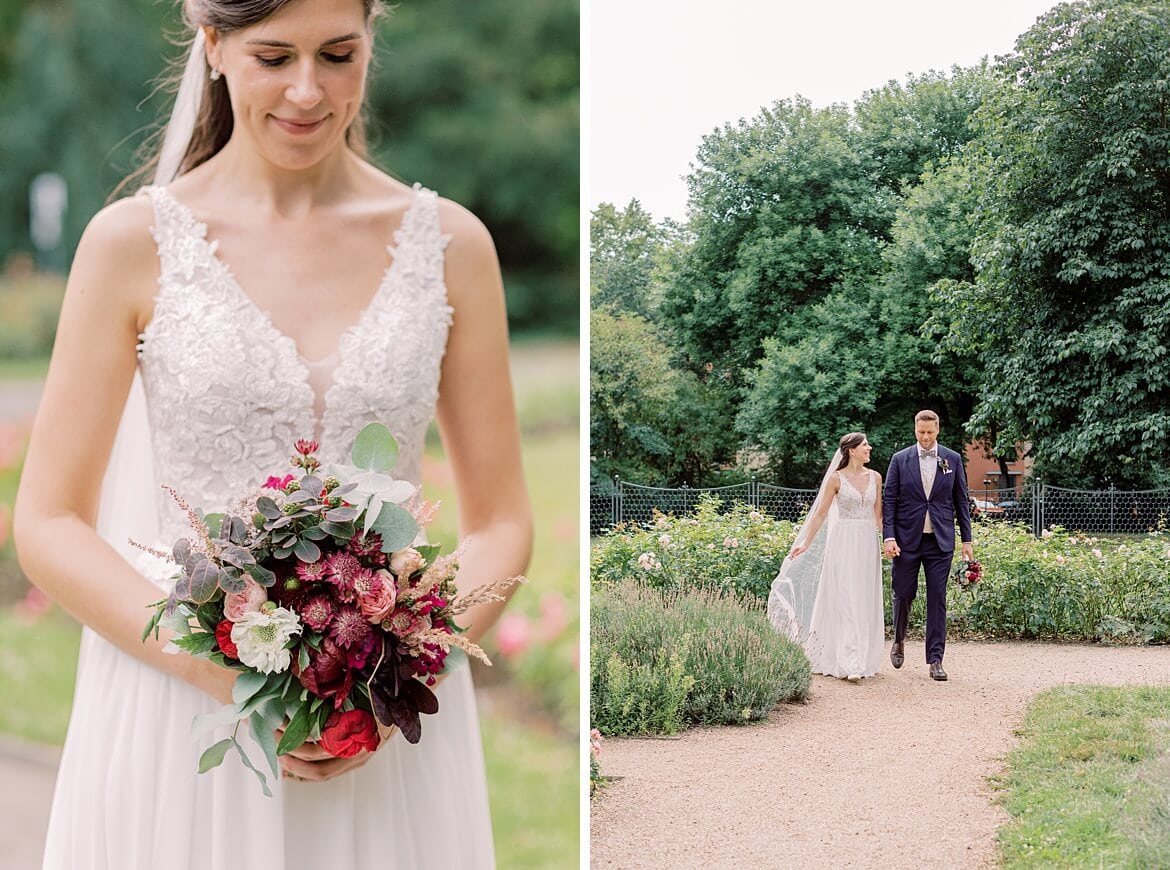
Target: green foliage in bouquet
[661, 661]
[736, 549]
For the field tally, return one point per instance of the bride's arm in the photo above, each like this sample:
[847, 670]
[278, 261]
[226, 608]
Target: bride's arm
[107, 299]
[813, 524]
[477, 418]
[877, 505]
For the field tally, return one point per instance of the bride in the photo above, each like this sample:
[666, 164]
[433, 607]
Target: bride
[271, 285]
[828, 594]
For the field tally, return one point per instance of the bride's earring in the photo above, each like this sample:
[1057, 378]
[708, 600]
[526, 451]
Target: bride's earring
[214, 75]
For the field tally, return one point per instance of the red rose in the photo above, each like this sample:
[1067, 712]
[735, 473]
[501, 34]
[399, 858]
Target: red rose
[223, 636]
[346, 734]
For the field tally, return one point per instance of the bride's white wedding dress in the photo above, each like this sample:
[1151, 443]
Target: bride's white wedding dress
[846, 632]
[227, 395]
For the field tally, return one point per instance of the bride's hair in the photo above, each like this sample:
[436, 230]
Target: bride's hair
[213, 124]
[848, 442]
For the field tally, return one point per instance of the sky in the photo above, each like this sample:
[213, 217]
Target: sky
[661, 75]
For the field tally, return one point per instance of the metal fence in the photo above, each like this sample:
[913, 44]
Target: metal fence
[1037, 506]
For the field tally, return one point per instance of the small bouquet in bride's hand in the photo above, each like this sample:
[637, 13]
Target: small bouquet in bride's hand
[313, 589]
[968, 573]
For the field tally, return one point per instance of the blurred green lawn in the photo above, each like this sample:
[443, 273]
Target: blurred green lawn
[532, 758]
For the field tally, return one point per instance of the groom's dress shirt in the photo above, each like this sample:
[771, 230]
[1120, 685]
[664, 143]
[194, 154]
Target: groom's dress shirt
[928, 465]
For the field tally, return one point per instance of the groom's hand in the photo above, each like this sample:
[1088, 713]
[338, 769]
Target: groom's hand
[968, 551]
[890, 548]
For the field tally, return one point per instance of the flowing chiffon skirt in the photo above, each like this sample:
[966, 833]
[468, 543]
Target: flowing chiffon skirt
[847, 629]
[128, 795]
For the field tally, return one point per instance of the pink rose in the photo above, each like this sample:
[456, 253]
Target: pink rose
[376, 606]
[236, 604]
[405, 562]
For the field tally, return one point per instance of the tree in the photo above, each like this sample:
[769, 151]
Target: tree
[857, 357]
[630, 392]
[1070, 307]
[624, 248]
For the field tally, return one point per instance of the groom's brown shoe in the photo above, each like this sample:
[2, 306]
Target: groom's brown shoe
[937, 672]
[897, 654]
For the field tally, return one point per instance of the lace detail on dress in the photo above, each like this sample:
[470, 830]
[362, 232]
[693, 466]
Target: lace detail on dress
[854, 505]
[390, 361]
[227, 393]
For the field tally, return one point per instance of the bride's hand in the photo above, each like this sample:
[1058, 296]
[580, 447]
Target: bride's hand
[310, 763]
[797, 550]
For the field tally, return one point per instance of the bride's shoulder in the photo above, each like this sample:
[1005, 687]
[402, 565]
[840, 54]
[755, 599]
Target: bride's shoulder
[117, 248]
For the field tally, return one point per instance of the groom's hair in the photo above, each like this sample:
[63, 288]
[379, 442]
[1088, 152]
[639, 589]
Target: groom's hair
[928, 416]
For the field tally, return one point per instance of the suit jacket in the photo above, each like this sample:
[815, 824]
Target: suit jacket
[905, 502]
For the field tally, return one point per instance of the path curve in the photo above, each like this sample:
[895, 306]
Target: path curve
[890, 772]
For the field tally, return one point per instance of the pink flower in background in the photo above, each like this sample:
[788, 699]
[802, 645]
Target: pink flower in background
[274, 482]
[513, 634]
[553, 616]
[34, 605]
[236, 604]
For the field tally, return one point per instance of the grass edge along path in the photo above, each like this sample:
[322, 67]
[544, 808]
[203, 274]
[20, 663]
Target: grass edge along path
[1089, 784]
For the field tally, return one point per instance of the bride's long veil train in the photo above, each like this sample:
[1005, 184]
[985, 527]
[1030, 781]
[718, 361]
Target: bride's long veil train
[794, 590]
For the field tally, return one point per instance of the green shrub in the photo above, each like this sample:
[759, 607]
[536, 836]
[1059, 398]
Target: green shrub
[660, 661]
[736, 549]
[1066, 586]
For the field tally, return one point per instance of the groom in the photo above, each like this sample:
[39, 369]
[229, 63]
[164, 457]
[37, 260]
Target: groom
[925, 490]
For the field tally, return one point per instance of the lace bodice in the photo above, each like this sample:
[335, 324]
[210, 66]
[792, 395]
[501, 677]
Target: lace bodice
[228, 393]
[855, 505]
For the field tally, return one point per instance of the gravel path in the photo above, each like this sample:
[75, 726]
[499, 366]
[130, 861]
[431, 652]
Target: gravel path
[889, 772]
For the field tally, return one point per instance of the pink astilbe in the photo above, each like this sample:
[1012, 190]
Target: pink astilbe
[197, 524]
[492, 591]
[423, 511]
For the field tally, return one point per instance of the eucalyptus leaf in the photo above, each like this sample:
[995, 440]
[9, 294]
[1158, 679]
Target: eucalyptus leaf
[231, 582]
[238, 531]
[236, 555]
[214, 523]
[248, 764]
[345, 514]
[247, 684]
[261, 575]
[315, 533]
[262, 730]
[307, 551]
[282, 552]
[312, 484]
[300, 496]
[181, 550]
[338, 530]
[267, 507]
[213, 755]
[396, 526]
[374, 449]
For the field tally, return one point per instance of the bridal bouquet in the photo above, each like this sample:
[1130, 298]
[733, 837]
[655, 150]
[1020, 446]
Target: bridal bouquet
[311, 587]
[968, 573]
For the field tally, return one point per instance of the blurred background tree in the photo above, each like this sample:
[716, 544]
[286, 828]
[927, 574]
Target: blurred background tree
[477, 101]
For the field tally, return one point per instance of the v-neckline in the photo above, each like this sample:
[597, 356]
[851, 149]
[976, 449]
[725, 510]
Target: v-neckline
[868, 484]
[211, 246]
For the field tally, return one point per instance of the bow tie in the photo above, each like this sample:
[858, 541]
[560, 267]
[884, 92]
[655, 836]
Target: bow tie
[923, 454]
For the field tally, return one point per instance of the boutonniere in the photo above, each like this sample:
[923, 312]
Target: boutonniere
[944, 465]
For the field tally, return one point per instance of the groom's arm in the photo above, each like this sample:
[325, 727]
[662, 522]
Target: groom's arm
[962, 502]
[890, 499]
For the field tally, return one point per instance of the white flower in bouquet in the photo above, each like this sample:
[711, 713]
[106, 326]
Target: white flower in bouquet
[261, 636]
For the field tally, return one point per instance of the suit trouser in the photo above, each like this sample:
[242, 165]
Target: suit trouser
[936, 565]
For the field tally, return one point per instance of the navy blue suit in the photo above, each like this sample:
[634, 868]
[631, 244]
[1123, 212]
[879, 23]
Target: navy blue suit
[904, 507]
